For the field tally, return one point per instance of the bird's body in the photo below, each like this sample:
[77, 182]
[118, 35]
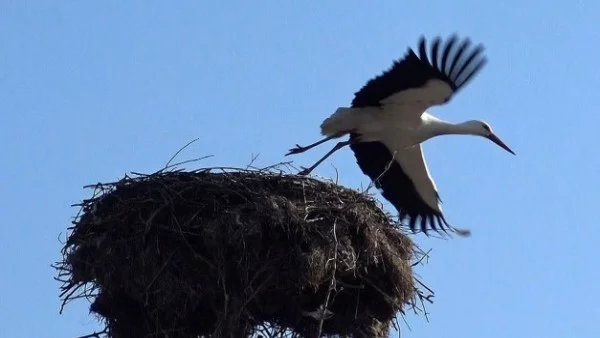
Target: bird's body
[375, 124]
[388, 122]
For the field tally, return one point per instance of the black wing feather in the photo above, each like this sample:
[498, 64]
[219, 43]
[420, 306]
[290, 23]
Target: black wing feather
[468, 63]
[458, 56]
[434, 52]
[449, 44]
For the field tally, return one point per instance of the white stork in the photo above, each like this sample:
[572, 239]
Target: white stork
[388, 122]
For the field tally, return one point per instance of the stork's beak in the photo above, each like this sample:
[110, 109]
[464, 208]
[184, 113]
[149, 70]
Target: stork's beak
[499, 142]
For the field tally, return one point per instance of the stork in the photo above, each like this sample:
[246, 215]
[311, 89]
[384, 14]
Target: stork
[388, 121]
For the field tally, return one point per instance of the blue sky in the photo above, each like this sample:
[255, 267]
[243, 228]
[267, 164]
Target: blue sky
[90, 90]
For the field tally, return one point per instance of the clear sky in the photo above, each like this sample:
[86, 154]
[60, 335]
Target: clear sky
[90, 90]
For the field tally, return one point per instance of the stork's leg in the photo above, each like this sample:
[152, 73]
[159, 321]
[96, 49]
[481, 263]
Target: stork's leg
[299, 149]
[340, 145]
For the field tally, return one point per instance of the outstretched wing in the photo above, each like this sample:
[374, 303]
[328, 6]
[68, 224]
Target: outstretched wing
[404, 181]
[419, 81]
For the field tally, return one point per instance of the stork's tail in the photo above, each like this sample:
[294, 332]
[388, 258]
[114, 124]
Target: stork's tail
[343, 121]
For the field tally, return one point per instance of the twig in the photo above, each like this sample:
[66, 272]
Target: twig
[331, 284]
[424, 255]
[426, 287]
[95, 334]
[179, 151]
[188, 161]
[252, 160]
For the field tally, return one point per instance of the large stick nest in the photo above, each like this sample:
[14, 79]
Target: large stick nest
[234, 253]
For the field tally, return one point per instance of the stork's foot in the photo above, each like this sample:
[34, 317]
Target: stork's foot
[297, 150]
[305, 171]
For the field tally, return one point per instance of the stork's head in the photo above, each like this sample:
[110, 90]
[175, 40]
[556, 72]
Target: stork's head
[483, 129]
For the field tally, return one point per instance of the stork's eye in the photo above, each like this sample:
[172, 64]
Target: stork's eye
[486, 127]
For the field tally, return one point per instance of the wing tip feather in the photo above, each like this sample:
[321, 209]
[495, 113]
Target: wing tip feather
[436, 223]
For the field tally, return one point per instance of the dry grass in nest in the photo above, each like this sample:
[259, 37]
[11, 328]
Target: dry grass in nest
[235, 253]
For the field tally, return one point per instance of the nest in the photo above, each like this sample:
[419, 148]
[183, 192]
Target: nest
[236, 253]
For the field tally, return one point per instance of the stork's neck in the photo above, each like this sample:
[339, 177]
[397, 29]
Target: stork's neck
[440, 127]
